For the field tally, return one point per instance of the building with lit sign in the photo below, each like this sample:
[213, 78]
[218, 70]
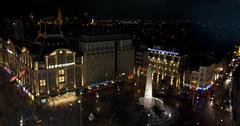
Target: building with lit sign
[168, 69]
[57, 69]
[51, 67]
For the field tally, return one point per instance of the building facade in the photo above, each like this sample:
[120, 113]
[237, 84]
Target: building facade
[51, 68]
[141, 59]
[105, 58]
[57, 69]
[206, 75]
[99, 62]
[200, 77]
[168, 69]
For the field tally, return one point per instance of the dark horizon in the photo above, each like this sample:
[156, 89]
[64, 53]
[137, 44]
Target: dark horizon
[220, 10]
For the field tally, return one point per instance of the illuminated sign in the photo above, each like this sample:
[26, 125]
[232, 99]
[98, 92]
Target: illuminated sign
[60, 65]
[163, 52]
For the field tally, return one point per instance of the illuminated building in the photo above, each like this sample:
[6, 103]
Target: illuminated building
[206, 75]
[105, 57]
[236, 97]
[57, 69]
[45, 70]
[200, 77]
[12, 56]
[50, 67]
[168, 70]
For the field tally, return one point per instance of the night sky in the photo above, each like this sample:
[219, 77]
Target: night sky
[225, 10]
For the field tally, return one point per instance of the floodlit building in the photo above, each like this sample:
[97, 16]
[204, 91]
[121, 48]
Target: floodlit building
[57, 69]
[200, 77]
[168, 67]
[206, 75]
[105, 58]
[51, 67]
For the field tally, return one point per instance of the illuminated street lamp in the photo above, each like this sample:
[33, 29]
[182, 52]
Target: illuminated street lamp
[21, 121]
[169, 115]
[80, 111]
[149, 120]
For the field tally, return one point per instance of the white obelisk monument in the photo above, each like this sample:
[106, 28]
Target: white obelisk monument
[148, 99]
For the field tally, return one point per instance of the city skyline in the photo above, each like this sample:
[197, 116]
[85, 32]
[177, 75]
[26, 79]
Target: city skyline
[120, 63]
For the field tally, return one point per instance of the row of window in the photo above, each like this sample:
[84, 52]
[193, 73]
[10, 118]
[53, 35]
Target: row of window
[61, 78]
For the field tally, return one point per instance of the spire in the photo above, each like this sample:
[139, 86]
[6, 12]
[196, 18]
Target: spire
[59, 18]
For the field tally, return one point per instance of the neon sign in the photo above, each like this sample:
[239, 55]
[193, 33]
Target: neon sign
[60, 65]
[203, 88]
[163, 51]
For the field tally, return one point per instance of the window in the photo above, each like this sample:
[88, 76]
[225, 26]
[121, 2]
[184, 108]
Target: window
[42, 83]
[61, 79]
[61, 72]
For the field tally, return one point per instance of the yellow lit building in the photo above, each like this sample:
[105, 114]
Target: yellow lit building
[57, 69]
[167, 68]
[49, 67]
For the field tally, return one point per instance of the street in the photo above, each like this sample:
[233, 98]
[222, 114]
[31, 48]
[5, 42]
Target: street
[115, 105]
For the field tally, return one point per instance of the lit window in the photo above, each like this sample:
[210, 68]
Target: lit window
[61, 79]
[42, 82]
[82, 59]
[61, 72]
[60, 52]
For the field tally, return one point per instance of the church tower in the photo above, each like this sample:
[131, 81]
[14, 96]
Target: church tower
[59, 21]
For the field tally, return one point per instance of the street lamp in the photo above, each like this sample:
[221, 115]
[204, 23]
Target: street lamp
[21, 121]
[80, 111]
[148, 120]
